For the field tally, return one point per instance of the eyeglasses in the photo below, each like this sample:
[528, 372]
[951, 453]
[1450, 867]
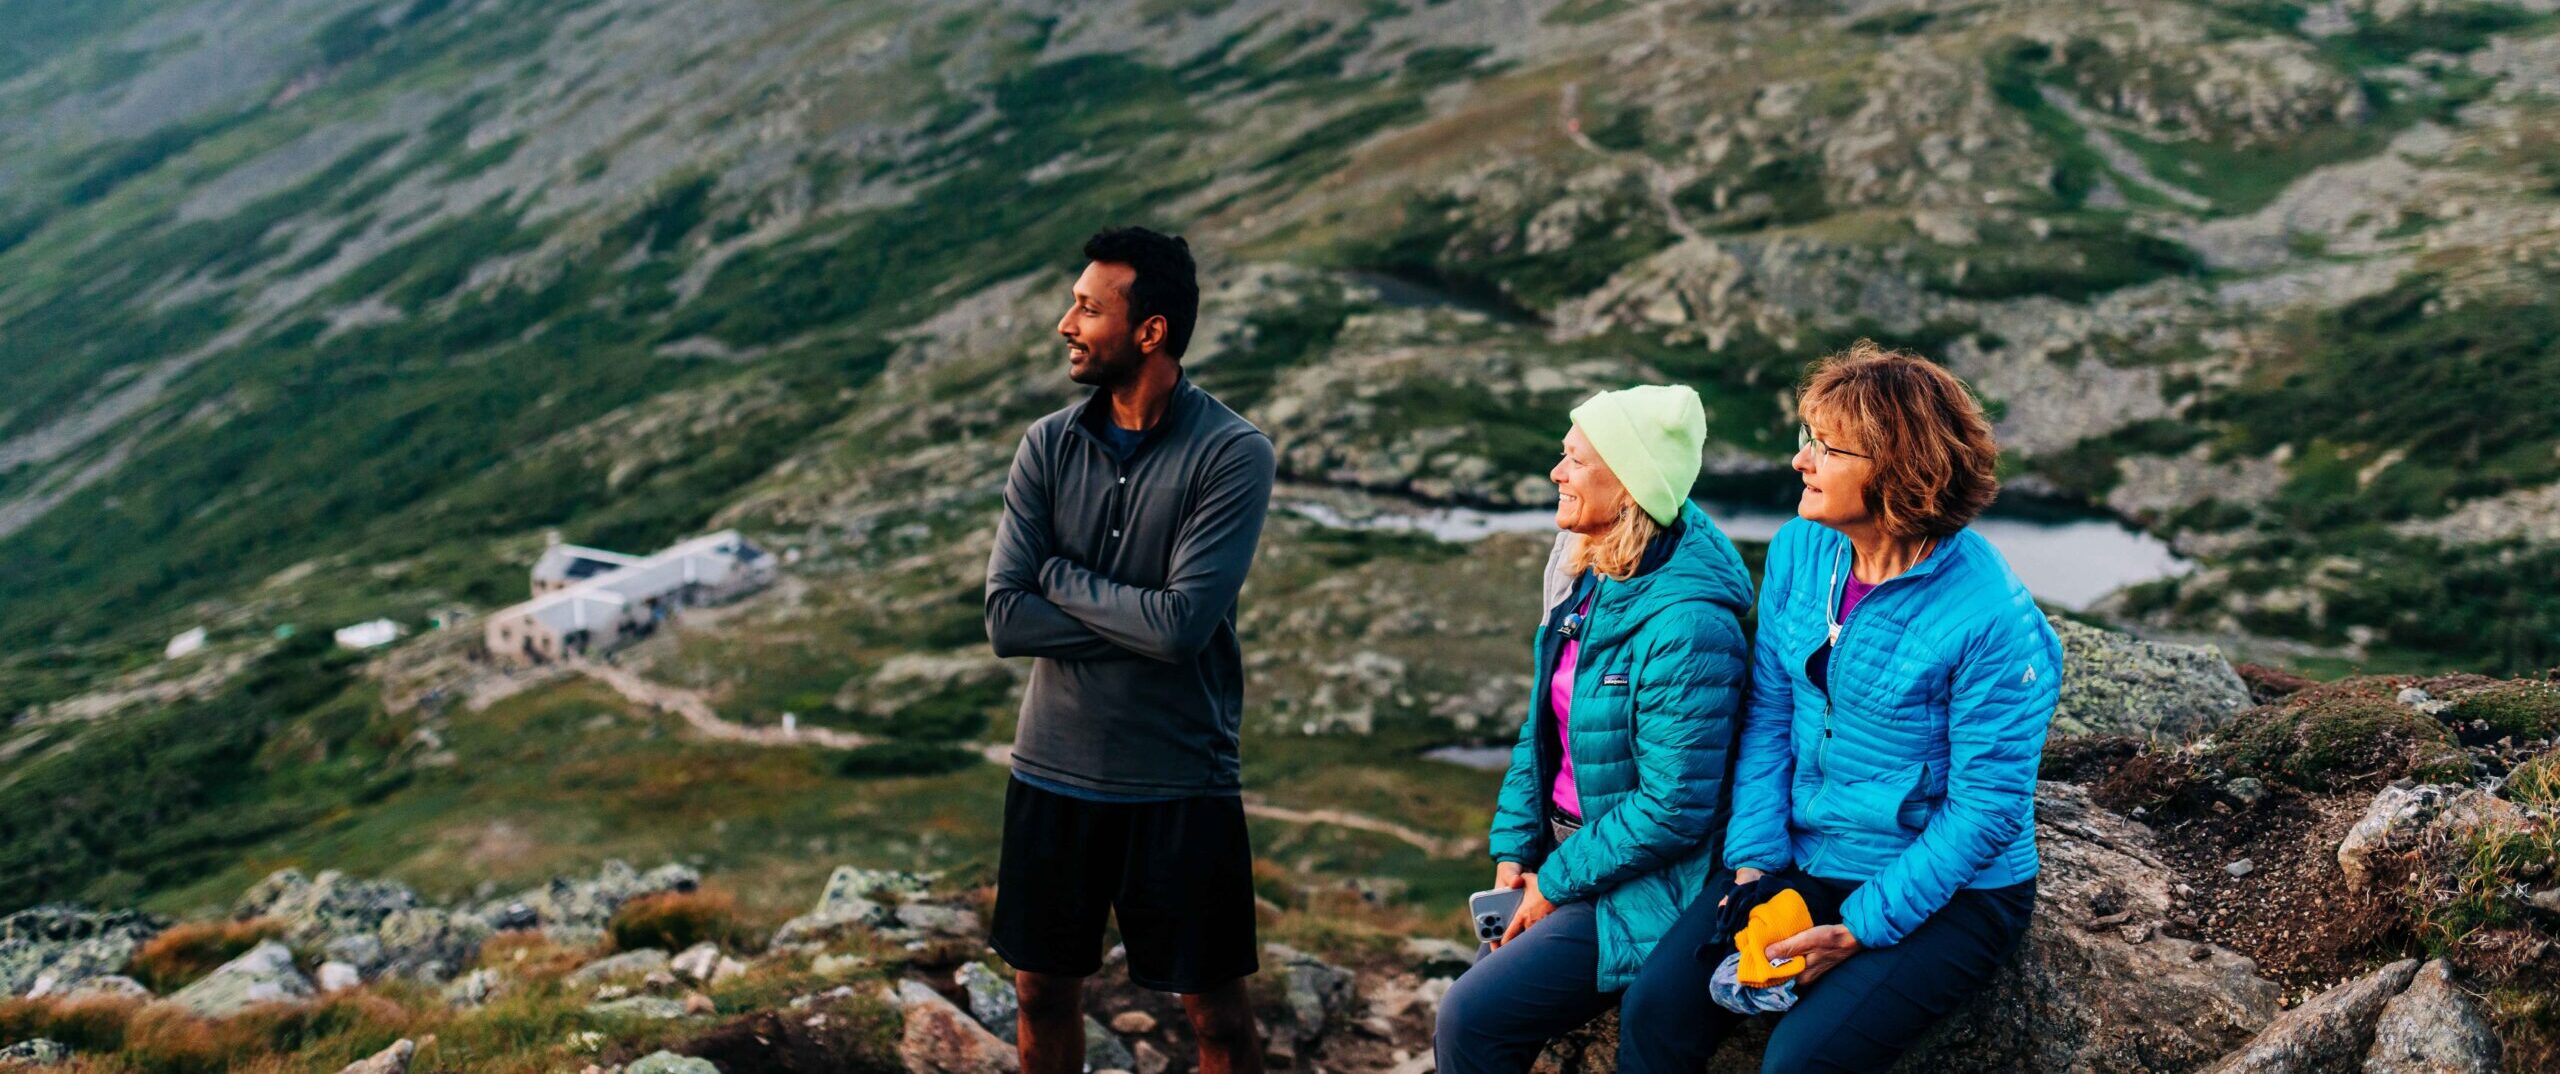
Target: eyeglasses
[1806, 439]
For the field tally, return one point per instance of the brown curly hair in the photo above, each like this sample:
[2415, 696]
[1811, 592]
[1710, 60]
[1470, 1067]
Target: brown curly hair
[1935, 462]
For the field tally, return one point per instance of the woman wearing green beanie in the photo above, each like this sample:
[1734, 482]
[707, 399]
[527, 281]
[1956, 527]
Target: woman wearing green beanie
[1610, 814]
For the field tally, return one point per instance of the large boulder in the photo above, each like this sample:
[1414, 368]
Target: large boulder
[2095, 988]
[2331, 1032]
[265, 974]
[58, 947]
[2116, 684]
[2433, 1027]
[940, 1038]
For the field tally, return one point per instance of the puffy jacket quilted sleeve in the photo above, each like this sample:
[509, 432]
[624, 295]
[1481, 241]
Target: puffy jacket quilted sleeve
[1688, 686]
[2003, 691]
[1764, 770]
[1517, 811]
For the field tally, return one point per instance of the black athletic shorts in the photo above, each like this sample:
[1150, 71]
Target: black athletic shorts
[1178, 874]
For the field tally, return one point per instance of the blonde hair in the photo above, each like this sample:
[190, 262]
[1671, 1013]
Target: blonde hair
[1934, 457]
[1617, 551]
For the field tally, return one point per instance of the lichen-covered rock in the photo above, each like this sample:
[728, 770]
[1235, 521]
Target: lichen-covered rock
[991, 999]
[429, 944]
[61, 946]
[2116, 684]
[2330, 1032]
[328, 905]
[853, 899]
[81, 961]
[2432, 1027]
[265, 974]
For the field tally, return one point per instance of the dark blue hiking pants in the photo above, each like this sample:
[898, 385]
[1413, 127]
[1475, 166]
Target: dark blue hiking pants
[1860, 1016]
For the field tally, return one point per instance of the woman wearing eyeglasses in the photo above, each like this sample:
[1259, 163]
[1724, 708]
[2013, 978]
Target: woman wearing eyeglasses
[1608, 819]
[1902, 681]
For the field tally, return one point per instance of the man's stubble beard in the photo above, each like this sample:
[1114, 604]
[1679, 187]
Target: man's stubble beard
[1108, 370]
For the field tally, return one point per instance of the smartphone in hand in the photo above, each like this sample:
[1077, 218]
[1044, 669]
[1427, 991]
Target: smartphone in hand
[1491, 912]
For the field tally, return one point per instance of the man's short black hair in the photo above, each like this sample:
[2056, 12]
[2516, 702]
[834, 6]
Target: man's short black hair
[1167, 284]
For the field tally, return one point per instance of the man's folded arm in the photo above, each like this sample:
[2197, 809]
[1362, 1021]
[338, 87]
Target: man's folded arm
[1020, 620]
[1210, 557]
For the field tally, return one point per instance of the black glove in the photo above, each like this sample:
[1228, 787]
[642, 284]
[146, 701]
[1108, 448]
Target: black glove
[1735, 914]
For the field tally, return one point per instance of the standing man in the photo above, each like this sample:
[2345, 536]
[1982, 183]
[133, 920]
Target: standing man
[1129, 522]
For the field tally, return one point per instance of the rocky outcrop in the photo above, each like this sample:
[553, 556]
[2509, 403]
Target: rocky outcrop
[578, 905]
[266, 974]
[2327, 1033]
[854, 898]
[381, 928]
[2432, 1028]
[2096, 986]
[2115, 684]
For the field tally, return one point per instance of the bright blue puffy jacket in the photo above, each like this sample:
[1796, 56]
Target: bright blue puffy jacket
[1657, 688]
[1914, 775]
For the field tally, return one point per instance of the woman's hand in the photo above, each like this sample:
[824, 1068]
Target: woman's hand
[1822, 947]
[1506, 875]
[1533, 906]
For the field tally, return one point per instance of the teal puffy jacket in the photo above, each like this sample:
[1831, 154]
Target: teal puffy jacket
[1915, 773]
[1657, 688]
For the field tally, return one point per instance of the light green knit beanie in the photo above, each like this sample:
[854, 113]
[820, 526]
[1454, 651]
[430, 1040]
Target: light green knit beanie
[1653, 437]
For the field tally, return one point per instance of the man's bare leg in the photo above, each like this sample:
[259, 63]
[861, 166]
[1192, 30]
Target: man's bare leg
[1051, 1023]
[1222, 1022]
